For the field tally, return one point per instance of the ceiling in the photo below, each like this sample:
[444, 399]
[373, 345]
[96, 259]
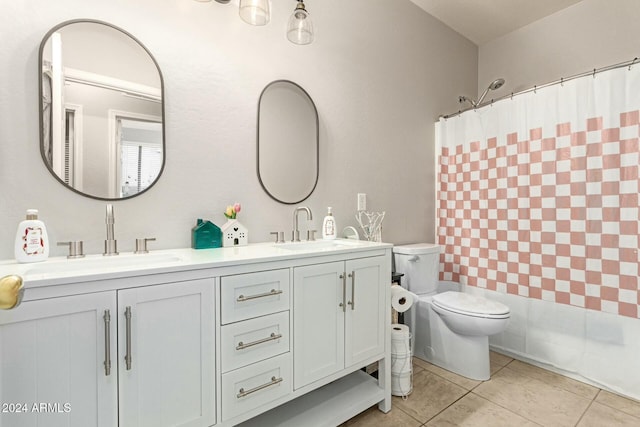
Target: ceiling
[484, 20]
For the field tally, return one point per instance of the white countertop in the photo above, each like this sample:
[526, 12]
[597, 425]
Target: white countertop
[57, 270]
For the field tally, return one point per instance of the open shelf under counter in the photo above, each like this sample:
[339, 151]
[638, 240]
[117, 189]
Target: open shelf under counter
[329, 406]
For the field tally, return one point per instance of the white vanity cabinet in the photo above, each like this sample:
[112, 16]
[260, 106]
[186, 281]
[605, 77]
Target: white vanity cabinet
[52, 353]
[254, 340]
[338, 316]
[71, 353]
[166, 355]
[261, 335]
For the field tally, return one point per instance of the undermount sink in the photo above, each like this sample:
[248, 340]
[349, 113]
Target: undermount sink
[99, 262]
[316, 245]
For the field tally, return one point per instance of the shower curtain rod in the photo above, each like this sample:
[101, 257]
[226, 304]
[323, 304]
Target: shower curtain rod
[561, 81]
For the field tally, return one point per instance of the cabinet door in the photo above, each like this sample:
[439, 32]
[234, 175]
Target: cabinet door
[367, 283]
[169, 336]
[52, 363]
[318, 291]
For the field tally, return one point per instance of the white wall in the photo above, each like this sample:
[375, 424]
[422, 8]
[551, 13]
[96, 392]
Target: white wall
[380, 73]
[590, 34]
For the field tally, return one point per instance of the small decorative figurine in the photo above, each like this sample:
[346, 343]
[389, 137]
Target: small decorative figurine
[233, 232]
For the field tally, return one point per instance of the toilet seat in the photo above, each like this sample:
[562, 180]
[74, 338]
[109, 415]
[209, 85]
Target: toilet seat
[470, 305]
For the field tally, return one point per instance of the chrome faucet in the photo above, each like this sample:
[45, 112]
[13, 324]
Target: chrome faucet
[295, 235]
[111, 244]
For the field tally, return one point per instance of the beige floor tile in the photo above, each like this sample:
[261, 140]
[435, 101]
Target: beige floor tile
[551, 378]
[601, 415]
[417, 366]
[533, 399]
[431, 394]
[499, 359]
[494, 368]
[374, 417]
[629, 406]
[464, 382]
[474, 411]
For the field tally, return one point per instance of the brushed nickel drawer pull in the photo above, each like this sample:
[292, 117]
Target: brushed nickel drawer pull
[127, 356]
[271, 293]
[272, 337]
[107, 342]
[242, 393]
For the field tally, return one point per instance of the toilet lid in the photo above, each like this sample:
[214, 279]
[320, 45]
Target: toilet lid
[470, 305]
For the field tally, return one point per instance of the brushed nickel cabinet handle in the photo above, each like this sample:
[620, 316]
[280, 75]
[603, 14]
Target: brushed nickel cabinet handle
[242, 393]
[107, 342]
[271, 293]
[352, 303]
[272, 337]
[127, 357]
[344, 293]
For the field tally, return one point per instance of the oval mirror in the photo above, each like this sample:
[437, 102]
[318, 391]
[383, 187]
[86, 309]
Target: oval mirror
[288, 142]
[101, 110]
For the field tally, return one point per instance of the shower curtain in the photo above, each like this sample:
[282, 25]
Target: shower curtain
[538, 194]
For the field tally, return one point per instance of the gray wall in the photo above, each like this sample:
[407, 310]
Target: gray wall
[380, 73]
[590, 34]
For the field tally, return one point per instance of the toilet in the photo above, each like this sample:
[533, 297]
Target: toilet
[450, 328]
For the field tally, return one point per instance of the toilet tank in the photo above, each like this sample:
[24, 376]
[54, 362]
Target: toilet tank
[420, 263]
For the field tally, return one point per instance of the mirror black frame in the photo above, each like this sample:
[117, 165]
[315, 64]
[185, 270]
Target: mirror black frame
[41, 109]
[315, 109]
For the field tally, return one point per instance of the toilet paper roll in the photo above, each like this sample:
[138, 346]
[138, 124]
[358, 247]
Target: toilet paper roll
[401, 299]
[402, 384]
[400, 346]
[399, 331]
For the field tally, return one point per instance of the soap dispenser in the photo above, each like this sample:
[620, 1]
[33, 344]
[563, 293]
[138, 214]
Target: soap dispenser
[32, 242]
[329, 226]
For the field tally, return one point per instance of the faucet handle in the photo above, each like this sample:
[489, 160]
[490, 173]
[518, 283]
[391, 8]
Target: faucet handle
[141, 245]
[311, 235]
[75, 248]
[279, 236]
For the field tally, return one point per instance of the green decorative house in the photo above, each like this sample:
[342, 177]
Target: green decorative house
[206, 235]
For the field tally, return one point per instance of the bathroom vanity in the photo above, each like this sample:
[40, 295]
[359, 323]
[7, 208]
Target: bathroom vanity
[265, 334]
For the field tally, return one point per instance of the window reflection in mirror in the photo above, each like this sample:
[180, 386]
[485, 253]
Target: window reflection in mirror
[101, 110]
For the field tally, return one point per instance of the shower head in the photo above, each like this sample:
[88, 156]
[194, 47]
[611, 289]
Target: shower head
[496, 84]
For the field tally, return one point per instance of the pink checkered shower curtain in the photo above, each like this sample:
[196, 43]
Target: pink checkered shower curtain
[538, 194]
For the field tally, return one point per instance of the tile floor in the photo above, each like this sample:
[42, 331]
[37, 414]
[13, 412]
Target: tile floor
[518, 394]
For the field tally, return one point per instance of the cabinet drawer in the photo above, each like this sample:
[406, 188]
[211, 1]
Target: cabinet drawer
[255, 294]
[253, 340]
[255, 385]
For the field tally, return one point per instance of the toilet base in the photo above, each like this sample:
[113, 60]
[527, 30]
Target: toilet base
[436, 343]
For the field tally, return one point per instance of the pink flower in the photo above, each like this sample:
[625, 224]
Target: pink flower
[232, 211]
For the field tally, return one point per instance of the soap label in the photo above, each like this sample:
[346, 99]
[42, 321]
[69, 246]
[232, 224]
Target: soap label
[329, 228]
[32, 241]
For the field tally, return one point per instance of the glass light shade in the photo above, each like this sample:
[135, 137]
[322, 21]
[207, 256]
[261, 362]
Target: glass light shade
[300, 27]
[255, 12]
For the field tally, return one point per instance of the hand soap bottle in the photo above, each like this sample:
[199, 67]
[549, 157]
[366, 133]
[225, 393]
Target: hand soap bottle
[329, 226]
[32, 242]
